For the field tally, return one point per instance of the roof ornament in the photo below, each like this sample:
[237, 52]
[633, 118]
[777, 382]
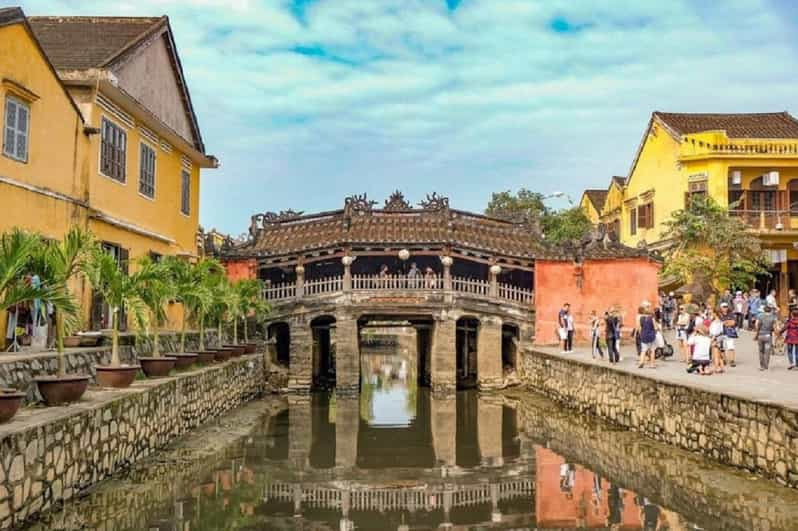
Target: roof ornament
[435, 202]
[358, 204]
[396, 202]
[284, 215]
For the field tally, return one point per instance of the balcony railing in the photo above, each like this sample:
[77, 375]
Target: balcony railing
[337, 284]
[765, 219]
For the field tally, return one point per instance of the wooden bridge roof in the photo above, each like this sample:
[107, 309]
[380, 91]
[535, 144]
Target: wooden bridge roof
[432, 226]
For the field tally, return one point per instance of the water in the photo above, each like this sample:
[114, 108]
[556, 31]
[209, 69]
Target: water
[397, 458]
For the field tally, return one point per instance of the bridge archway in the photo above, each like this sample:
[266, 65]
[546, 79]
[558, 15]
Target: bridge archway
[281, 333]
[511, 335]
[323, 355]
[466, 351]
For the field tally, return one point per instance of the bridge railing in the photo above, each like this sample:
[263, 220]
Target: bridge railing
[336, 284]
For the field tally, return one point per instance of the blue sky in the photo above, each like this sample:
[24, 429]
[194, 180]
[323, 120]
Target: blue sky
[307, 101]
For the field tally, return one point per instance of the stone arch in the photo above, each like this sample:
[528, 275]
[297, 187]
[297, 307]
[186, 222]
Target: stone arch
[466, 350]
[323, 351]
[511, 336]
[280, 332]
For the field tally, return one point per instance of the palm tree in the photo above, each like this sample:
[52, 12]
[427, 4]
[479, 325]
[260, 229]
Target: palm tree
[61, 261]
[232, 301]
[119, 290]
[249, 291]
[208, 273]
[220, 304]
[155, 290]
[192, 289]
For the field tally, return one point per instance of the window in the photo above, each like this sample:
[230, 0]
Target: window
[147, 172]
[100, 311]
[15, 130]
[645, 216]
[633, 221]
[793, 191]
[695, 189]
[185, 193]
[155, 257]
[113, 148]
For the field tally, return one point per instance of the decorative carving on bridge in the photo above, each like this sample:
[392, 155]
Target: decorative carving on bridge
[283, 215]
[435, 202]
[397, 201]
[358, 204]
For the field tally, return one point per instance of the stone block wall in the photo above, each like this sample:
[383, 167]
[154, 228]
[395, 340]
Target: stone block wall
[18, 370]
[761, 438]
[48, 456]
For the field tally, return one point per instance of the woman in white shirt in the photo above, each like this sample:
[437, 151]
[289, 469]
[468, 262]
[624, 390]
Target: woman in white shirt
[702, 349]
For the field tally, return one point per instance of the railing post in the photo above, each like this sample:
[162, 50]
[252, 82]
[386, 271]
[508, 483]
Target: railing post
[761, 219]
[347, 261]
[300, 281]
[447, 272]
[494, 270]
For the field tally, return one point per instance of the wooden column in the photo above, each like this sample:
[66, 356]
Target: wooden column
[447, 272]
[347, 262]
[300, 281]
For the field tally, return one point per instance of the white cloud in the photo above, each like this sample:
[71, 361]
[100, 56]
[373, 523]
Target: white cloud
[410, 95]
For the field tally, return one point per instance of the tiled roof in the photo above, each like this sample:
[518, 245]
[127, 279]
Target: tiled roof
[597, 197]
[749, 125]
[619, 180]
[431, 228]
[11, 15]
[78, 43]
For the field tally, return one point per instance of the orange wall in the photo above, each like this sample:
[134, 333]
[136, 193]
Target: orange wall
[236, 270]
[624, 283]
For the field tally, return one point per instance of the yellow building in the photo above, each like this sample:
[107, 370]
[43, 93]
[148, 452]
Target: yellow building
[746, 161]
[592, 203]
[109, 137]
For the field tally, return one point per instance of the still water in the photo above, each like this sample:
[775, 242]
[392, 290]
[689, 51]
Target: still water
[396, 458]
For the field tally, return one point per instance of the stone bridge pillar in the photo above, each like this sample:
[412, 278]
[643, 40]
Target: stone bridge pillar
[444, 362]
[490, 373]
[347, 426]
[489, 431]
[347, 353]
[300, 372]
[444, 429]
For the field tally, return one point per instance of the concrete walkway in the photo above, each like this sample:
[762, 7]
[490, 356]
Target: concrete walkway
[776, 385]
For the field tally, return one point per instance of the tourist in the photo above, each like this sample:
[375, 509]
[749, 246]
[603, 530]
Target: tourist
[647, 335]
[384, 271]
[771, 299]
[726, 296]
[790, 331]
[681, 333]
[701, 345]
[754, 308]
[429, 278]
[716, 335]
[413, 275]
[730, 334]
[764, 328]
[738, 304]
[612, 333]
[668, 310]
[566, 323]
[595, 335]
[792, 299]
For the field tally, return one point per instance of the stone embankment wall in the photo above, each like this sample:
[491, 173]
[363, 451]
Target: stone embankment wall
[50, 455]
[19, 369]
[761, 438]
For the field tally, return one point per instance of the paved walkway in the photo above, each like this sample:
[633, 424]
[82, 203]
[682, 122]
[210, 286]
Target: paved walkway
[776, 385]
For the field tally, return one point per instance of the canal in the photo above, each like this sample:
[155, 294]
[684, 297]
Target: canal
[396, 457]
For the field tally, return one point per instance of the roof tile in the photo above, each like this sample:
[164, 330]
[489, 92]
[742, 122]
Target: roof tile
[747, 125]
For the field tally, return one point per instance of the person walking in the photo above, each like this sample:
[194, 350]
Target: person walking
[595, 334]
[754, 308]
[681, 333]
[566, 328]
[730, 334]
[716, 335]
[764, 329]
[790, 331]
[647, 333]
[612, 331]
[739, 306]
[669, 310]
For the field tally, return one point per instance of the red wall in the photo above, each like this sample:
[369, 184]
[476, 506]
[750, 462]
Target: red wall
[624, 283]
[237, 270]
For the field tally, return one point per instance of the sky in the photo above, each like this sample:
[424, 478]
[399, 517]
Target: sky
[307, 101]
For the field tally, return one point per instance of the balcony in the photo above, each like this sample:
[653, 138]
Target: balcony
[701, 146]
[768, 220]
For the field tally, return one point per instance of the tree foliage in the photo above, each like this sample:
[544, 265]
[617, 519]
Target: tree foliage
[711, 249]
[529, 207]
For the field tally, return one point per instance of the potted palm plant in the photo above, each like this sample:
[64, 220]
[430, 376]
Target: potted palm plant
[119, 290]
[200, 300]
[156, 291]
[221, 293]
[251, 304]
[60, 263]
[233, 302]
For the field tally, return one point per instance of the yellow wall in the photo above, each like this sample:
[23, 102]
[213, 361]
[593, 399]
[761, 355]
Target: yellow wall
[589, 209]
[656, 169]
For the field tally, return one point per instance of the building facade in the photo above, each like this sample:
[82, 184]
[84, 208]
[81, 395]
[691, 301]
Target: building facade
[746, 162]
[99, 131]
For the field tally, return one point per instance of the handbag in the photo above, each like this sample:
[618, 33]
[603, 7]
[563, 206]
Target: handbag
[563, 333]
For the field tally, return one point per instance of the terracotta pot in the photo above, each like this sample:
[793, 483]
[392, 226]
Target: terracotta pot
[157, 367]
[119, 377]
[250, 348]
[184, 360]
[10, 400]
[72, 341]
[90, 341]
[222, 355]
[235, 350]
[206, 356]
[57, 390]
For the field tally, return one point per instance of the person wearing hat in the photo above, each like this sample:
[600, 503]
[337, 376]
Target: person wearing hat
[764, 328]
